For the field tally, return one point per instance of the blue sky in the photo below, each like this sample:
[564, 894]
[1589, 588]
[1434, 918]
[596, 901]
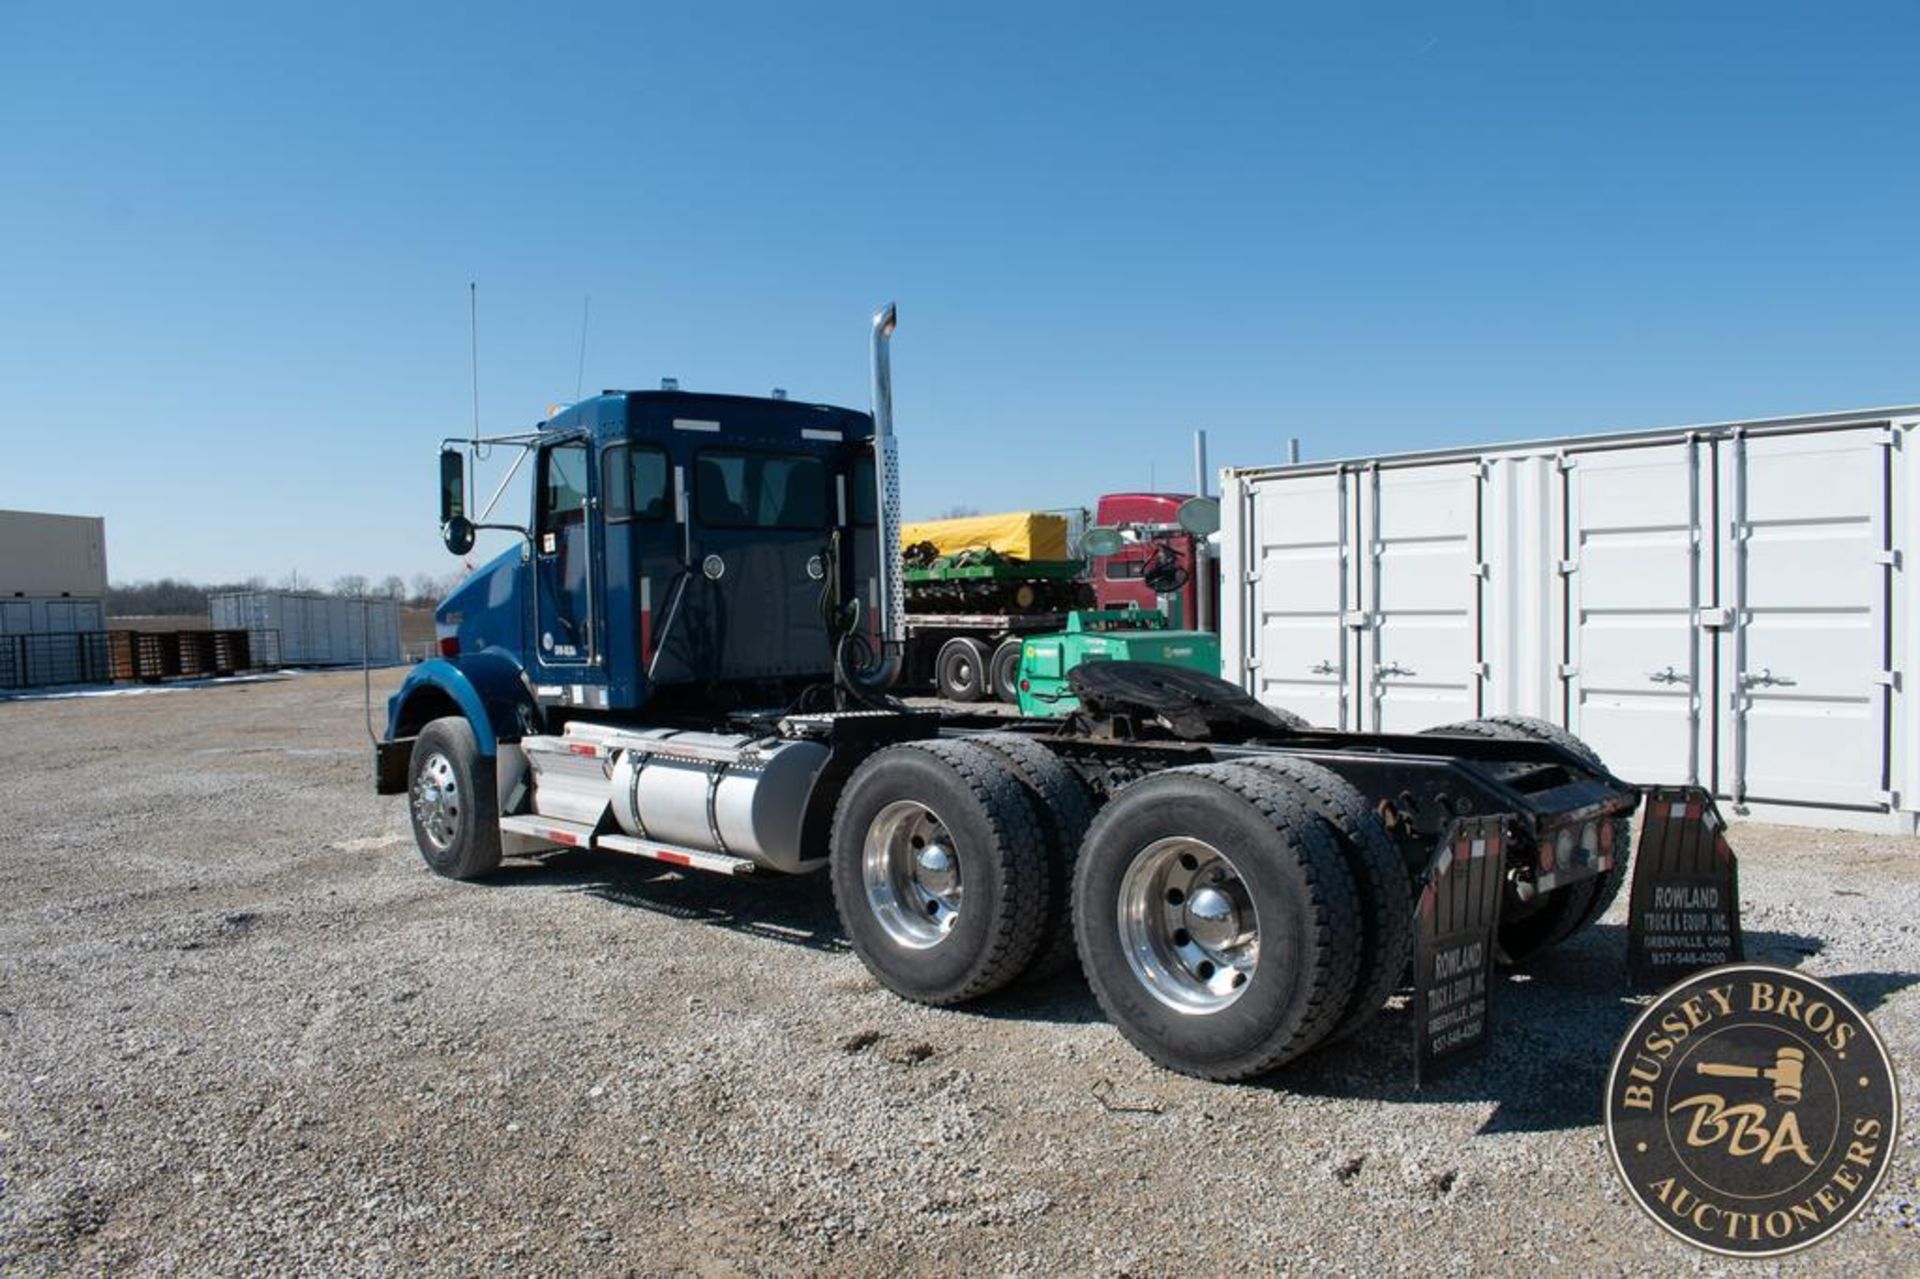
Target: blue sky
[235, 242]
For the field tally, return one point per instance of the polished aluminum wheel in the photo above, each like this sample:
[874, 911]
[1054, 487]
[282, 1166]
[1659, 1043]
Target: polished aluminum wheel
[912, 874]
[1188, 926]
[436, 801]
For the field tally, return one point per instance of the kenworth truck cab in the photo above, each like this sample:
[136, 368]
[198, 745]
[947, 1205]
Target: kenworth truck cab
[686, 656]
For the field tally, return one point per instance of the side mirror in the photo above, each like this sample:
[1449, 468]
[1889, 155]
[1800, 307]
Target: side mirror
[1101, 540]
[453, 489]
[457, 533]
[1200, 516]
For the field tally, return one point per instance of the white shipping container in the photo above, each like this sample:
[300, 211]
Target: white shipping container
[40, 615]
[302, 629]
[43, 554]
[1724, 605]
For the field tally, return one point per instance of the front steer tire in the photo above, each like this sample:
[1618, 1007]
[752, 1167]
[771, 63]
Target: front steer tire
[452, 800]
[985, 822]
[1299, 888]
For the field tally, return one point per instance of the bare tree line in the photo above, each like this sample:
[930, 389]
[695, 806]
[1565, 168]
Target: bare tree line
[177, 597]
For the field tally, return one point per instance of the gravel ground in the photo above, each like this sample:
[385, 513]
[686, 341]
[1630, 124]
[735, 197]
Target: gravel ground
[243, 1029]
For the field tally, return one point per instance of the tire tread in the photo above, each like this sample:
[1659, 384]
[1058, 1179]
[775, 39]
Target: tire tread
[1385, 899]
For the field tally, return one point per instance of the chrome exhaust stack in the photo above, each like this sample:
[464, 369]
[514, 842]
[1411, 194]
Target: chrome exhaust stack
[891, 604]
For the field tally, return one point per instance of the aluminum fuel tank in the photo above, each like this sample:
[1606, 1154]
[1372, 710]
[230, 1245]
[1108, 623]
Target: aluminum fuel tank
[718, 791]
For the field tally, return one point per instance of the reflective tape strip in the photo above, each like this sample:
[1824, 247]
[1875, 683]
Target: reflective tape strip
[646, 622]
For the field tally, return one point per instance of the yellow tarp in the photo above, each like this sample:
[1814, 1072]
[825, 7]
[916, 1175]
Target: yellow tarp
[1032, 535]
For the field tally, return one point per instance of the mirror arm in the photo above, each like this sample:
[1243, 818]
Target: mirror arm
[525, 533]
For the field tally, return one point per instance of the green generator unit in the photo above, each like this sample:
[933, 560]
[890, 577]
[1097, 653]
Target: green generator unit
[1105, 635]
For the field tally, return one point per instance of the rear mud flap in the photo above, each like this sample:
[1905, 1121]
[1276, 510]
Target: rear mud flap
[1684, 907]
[1454, 947]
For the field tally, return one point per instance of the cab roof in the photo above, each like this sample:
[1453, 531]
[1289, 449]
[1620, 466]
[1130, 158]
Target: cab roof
[615, 414]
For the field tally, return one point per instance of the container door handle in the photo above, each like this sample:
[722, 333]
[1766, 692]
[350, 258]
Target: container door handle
[1768, 678]
[1323, 667]
[1667, 676]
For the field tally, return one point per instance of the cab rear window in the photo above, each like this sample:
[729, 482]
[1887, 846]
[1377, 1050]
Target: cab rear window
[739, 489]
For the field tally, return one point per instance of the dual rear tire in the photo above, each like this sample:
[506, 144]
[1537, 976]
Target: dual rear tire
[1529, 927]
[1233, 916]
[939, 864]
[1228, 917]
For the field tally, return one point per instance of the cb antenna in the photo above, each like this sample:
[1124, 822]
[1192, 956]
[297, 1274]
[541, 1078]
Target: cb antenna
[580, 373]
[473, 333]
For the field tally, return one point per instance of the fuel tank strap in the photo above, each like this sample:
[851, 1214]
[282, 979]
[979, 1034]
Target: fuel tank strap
[640, 761]
[715, 773]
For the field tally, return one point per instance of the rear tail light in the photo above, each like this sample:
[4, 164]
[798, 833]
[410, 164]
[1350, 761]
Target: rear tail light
[449, 646]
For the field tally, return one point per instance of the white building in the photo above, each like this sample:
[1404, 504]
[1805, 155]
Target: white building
[53, 573]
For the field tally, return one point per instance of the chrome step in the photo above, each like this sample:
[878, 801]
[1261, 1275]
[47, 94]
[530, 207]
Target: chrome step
[567, 834]
[674, 854]
[553, 830]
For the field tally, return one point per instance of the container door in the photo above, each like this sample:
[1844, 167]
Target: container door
[1421, 650]
[1633, 579]
[1811, 569]
[1296, 544]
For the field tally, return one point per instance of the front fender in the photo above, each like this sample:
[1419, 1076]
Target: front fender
[488, 688]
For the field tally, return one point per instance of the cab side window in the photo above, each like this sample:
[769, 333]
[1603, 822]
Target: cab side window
[633, 483]
[563, 486]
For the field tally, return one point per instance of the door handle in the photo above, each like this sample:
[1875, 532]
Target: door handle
[1668, 676]
[1767, 678]
[1323, 667]
[1391, 668]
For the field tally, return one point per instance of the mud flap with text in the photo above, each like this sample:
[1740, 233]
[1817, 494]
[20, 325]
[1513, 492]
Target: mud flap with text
[1454, 946]
[1684, 908]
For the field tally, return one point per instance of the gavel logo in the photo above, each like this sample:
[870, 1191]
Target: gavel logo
[1788, 1073]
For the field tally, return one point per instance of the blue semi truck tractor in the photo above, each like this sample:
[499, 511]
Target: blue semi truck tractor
[686, 653]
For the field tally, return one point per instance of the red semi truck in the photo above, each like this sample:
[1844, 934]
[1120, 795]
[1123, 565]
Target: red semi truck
[1126, 579]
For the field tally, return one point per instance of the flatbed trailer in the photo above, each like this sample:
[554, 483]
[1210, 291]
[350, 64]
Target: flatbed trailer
[701, 685]
[964, 621]
[970, 657]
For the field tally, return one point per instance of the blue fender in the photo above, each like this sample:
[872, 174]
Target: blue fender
[488, 687]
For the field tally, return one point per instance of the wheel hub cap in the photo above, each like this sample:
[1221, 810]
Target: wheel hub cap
[1188, 926]
[1212, 919]
[437, 801]
[911, 874]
